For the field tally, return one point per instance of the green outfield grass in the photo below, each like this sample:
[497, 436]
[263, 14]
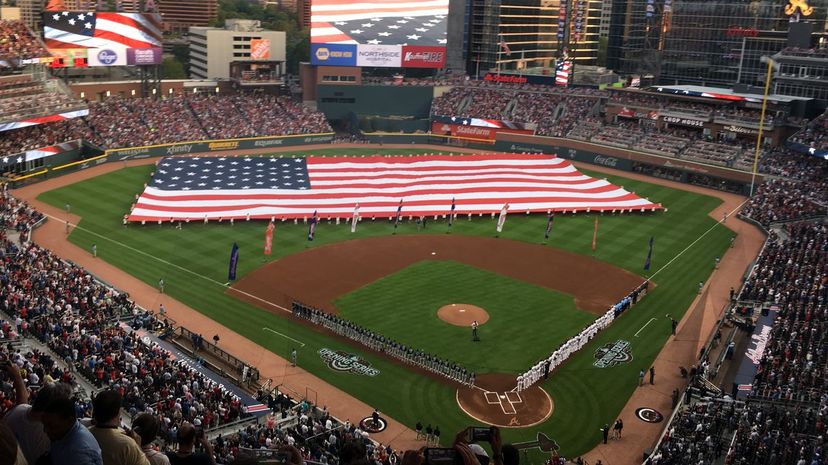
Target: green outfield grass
[193, 262]
[403, 306]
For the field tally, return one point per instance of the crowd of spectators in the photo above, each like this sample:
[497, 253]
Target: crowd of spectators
[22, 97]
[791, 275]
[131, 122]
[699, 433]
[63, 306]
[785, 200]
[783, 419]
[17, 42]
[769, 433]
[814, 135]
[554, 112]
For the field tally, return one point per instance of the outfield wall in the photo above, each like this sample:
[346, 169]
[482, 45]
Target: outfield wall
[722, 178]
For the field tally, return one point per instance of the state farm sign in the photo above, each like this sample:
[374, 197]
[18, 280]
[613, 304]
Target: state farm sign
[414, 56]
[473, 132]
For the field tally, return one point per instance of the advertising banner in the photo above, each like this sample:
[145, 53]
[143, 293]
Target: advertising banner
[415, 56]
[333, 54]
[386, 56]
[144, 56]
[69, 58]
[474, 132]
[520, 79]
[259, 49]
[488, 123]
[108, 57]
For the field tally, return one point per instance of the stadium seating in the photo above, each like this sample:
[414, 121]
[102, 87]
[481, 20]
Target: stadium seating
[123, 122]
[783, 418]
[18, 43]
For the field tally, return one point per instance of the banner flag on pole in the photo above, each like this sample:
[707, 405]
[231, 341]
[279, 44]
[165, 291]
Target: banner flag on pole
[549, 225]
[312, 226]
[399, 213]
[355, 219]
[451, 212]
[595, 235]
[501, 220]
[649, 255]
[268, 248]
[234, 262]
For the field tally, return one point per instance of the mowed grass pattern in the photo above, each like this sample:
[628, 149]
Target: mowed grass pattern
[585, 397]
[404, 305]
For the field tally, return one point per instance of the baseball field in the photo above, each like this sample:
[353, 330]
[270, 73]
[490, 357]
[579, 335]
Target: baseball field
[536, 298]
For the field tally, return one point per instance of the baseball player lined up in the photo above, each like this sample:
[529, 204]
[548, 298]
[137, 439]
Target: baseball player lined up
[542, 369]
[383, 344]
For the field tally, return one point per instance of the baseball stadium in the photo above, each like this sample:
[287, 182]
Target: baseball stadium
[335, 233]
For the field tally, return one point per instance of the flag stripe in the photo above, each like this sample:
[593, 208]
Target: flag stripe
[427, 185]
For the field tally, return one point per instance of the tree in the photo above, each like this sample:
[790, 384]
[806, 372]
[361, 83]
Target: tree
[171, 68]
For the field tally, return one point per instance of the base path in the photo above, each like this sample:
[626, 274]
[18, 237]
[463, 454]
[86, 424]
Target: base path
[493, 401]
[335, 275]
[462, 314]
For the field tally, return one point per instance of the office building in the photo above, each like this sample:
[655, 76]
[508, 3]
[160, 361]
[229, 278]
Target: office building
[709, 43]
[241, 51]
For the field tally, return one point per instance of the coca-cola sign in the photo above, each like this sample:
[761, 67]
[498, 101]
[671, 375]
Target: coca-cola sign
[611, 162]
[415, 56]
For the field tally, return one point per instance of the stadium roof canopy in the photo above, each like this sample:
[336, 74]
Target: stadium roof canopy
[724, 94]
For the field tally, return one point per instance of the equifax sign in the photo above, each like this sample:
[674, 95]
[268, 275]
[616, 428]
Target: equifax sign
[414, 56]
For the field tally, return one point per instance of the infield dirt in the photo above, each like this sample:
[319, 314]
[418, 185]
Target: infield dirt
[320, 275]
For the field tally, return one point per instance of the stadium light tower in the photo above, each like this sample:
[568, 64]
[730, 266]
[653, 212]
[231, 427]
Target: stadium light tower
[772, 65]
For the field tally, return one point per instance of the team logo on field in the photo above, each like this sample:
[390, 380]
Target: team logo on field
[649, 415]
[612, 354]
[347, 363]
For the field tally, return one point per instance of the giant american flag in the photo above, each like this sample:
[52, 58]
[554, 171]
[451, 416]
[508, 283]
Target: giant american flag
[78, 29]
[185, 188]
[387, 22]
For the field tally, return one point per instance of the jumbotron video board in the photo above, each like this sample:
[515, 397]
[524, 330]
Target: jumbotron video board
[88, 38]
[379, 33]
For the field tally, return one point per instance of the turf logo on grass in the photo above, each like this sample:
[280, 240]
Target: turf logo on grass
[347, 363]
[612, 354]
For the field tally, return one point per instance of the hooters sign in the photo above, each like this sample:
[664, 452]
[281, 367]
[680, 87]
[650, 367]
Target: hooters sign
[259, 49]
[414, 56]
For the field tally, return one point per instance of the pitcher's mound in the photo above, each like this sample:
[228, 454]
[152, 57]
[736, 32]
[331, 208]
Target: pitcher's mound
[492, 401]
[462, 314]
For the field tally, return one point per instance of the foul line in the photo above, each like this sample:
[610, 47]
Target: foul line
[645, 325]
[718, 223]
[141, 252]
[302, 344]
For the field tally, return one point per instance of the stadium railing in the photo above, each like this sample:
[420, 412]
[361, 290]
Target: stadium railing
[223, 355]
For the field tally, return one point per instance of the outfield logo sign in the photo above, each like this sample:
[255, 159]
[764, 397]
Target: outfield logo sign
[338, 360]
[612, 354]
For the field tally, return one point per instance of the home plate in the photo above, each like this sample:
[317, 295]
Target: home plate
[433, 253]
[502, 396]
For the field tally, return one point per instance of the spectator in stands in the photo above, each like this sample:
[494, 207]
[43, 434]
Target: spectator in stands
[145, 426]
[71, 442]
[186, 453]
[25, 420]
[9, 448]
[117, 448]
